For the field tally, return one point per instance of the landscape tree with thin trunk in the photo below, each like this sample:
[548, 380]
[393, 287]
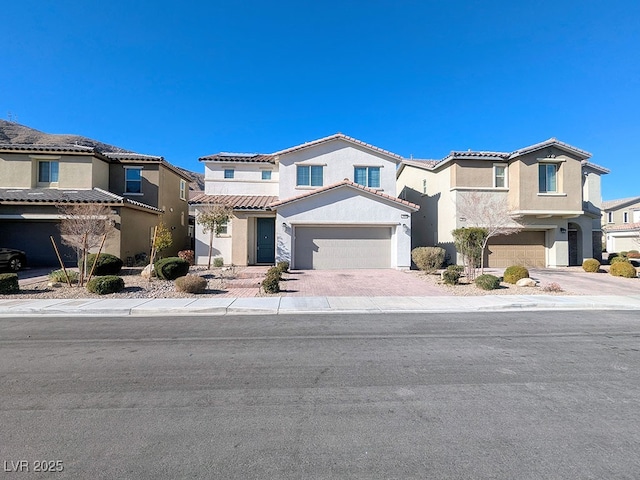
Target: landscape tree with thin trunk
[213, 218]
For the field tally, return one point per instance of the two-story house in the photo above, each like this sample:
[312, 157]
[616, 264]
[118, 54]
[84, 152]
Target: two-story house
[552, 191]
[140, 191]
[326, 204]
[621, 224]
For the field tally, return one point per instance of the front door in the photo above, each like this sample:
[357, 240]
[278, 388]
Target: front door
[266, 244]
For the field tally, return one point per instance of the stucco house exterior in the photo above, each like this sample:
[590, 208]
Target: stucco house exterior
[326, 204]
[140, 190]
[551, 188]
[621, 224]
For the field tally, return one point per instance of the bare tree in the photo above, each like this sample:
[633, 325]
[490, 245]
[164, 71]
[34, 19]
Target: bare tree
[490, 211]
[213, 217]
[83, 227]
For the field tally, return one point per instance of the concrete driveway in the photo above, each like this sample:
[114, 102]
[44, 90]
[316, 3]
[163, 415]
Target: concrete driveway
[574, 280]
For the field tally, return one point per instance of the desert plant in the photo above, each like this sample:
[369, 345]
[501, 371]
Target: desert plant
[470, 242]
[171, 268]
[59, 276]
[623, 269]
[617, 259]
[9, 283]
[283, 266]
[191, 284]
[451, 276]
[218, 262]
[487, 282]
[514, 273]
[552, 287]
[428, 259]
[107, 264]
[188, 255]
[162, 238]
[591, 265]
[271, 282]
[213, 218]
[105, 284]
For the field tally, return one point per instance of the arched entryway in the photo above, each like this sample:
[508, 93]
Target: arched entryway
[575, 244]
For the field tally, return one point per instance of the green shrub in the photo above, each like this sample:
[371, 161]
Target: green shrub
[9, 283]
[191, 284]
[514, 273]
[218, 262]
[59, 276]
[105, 284]
[107, 264]
[171, 268]
[271, 282]
[591, 265]
[611, 256]
[623, 253]
[451, 276]
[487, 282]
[623, 269]
[428, 259]
[283, 266]
[188, 255]
[617, 259]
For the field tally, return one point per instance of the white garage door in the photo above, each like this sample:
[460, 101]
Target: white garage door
[325, 248]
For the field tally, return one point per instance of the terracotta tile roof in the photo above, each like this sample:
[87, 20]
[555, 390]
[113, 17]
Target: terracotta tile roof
[611, 204]
[138, 157]
[548, 143]
[478, 155]
[622, 227]
[424, 164]
[345, 183]
[24, 147]
[237, 202]
[336, 137]
[55, 196]
[239, 157]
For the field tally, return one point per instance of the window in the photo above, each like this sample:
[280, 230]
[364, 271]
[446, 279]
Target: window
[609, 217]
[183, 190]
[133, 180]
[625, 217]
[500, 176]
[547, 173]
[309, 175]
[367, 176]
[266, 174]
[224, 228]
[229, 173]
[48, 172]
[424, 186]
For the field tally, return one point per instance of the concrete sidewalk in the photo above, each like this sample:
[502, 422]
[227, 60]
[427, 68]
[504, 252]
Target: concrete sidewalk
[303, 305]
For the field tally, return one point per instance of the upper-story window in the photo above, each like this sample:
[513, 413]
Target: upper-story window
[424, 186]
[625, 217]
[500, 176]
[309, 175]
[183, 189]
[609, 217]
[367, 176]
[48, 172]
[133, 180]
[229, 173]
[547, 177]
[266, 174]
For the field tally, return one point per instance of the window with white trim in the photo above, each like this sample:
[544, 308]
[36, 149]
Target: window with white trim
[609, 217]
[424, 186]
[547, 177]
[309, 175]
[133, 180]
[48, 171]
[367, 176]
[183, 190]
[625, 217]
[499, 176]
[229, 173]
[266, 174]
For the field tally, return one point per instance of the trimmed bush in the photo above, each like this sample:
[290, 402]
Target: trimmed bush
[428, 259]
[105, 284]
[171, 268]
[191, 284]
[107, 264]
[218, 262]
[9, 283]
[59, 276]
[591, 265]
[514, 273]
[617, 260]
[623, 269]
[188, 255]
[283, 267]
[487, 282]
[451, 276]
[271, 282]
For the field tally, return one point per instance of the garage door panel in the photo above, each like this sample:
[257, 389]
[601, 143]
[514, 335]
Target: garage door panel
[525, 248]
[324, 248]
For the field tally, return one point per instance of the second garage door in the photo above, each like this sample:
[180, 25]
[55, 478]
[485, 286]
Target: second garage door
[524, 248]
[325, 248]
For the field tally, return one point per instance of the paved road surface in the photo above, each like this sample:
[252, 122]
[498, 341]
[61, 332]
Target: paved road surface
[525, 395]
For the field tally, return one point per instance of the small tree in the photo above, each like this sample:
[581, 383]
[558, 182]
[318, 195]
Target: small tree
[469, 242]
[489, 211]
[213, 217]
[163, 238]
[83, 227]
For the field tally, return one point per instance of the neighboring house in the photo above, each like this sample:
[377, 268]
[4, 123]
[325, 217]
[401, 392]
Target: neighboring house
[326, 204]
[621, 224]
[551, 188]
[140, 190]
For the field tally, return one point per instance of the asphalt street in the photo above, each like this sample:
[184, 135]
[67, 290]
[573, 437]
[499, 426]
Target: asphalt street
[524, 395]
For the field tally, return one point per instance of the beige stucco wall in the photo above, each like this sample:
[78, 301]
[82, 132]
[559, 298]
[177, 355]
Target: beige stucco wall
[247, 179]
[176, 210]
[136, 231]
[473, 174]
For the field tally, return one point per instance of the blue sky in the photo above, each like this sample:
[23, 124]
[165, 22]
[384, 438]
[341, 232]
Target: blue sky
[422, 78]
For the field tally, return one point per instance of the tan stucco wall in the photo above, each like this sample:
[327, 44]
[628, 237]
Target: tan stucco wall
[473, 174]
[239, 239]
[136, 231]
[176, 210]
